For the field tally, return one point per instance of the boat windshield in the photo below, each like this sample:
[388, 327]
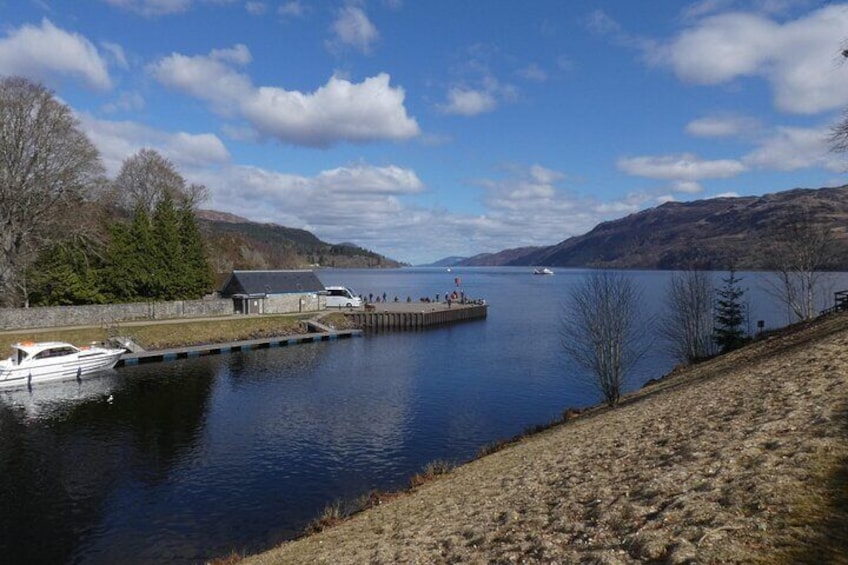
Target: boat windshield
[55, 352]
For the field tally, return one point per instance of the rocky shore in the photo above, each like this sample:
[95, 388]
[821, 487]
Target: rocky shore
[742, 459]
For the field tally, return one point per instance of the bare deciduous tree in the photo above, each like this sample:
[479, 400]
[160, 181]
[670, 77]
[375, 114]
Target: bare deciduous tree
[687, 324]
[803, 250]
[47, 165]
[146, 177]
[603, 330]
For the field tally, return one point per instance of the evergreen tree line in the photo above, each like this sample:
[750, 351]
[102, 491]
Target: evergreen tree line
[158, 256]
[72, 236]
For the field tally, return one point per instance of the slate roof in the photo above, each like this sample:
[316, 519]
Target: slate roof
[271, 282]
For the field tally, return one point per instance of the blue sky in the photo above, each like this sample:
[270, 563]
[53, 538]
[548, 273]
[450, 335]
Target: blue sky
[433, 128]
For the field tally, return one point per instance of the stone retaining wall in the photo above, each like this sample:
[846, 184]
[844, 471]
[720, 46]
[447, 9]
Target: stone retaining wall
[109, 314]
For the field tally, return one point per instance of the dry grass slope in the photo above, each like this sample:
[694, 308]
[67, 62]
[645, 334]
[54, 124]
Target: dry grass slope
[743, 459]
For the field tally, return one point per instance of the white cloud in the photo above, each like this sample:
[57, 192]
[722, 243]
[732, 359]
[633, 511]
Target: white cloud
[723, 126]
[352, 28]
[118, 140]
[238, 54]
[533, 72]
[600, 23]
[41, 52]
[256, 8]
[339, 111]
[292, 9]
[152, 7]
[533, 196]
[680, 168]
[371, 180]
[125, 102]
[687, 186]
[792, 148]
[373, 206]
[468, 102]
[796, 57]
[117, 54]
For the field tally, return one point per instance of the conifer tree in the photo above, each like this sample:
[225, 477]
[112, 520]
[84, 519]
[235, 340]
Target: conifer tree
[730, 314]
[167, 259]
[67, 273]
[128, 275]
[199, 279]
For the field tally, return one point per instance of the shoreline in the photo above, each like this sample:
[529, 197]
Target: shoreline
[740, 458]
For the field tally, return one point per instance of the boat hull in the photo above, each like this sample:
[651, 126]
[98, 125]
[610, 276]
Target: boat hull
[74, 366]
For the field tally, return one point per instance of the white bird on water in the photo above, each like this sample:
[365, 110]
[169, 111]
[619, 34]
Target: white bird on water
[110, 398]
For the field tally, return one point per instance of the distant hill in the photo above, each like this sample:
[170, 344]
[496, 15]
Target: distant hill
[711, 233]
[446, 262]
[238, 243]
[505, 257]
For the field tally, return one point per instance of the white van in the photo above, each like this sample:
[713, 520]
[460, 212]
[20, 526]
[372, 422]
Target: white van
[342, 297]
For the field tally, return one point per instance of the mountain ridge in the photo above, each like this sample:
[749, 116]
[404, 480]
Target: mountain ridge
[712, 233]
[234, 242]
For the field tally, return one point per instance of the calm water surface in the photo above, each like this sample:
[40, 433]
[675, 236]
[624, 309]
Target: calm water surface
[184, 461]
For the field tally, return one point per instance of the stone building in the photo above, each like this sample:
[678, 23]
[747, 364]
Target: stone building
[274, 292]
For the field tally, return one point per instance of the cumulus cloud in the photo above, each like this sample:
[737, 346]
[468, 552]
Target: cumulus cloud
[683, 171]
[468, 102]
[352, 28]
[375, 206]
[118, 140]
[359, 202]
[795, 57]
[40, 52]
[535, 196]
[475, 89]
[339, 111]
[723, 126]
[792, 148]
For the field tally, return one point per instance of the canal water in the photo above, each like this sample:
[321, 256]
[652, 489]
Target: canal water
[185, 461]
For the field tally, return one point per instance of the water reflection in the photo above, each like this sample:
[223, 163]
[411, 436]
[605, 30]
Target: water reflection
[67, 450]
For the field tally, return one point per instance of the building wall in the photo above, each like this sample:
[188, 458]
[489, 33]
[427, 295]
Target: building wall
[289, 303]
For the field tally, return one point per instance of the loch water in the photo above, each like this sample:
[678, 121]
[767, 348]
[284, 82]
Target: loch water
[189, 460]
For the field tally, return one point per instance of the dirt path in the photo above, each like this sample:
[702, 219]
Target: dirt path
[742, 459]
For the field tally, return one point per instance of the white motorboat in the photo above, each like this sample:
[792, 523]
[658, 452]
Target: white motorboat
[34, 362]
[542, 271]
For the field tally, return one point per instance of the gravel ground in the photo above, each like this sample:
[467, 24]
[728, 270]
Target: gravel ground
[743, 459]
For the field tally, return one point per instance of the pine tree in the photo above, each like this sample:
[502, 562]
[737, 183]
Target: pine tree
[199, 279]
[167, 261]
[730, 314]
[129, 273]
[67, 273]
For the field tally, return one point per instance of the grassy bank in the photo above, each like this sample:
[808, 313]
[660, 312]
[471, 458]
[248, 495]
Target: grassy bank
[170, 333]
[741, 459]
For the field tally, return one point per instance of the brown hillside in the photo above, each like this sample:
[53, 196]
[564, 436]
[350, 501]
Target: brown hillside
[712, 234]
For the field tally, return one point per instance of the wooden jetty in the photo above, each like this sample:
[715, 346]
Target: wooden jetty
[413, 315]
[231, 347]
